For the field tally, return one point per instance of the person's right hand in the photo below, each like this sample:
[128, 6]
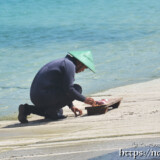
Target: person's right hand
[76, 111]
[90, 101]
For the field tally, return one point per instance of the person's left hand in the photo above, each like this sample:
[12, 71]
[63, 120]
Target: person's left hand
[76, 111]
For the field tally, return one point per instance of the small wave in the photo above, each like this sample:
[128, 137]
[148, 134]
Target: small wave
[3, 108]
[13, 87]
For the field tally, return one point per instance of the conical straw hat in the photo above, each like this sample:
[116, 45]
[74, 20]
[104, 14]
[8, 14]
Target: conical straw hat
[85, 57]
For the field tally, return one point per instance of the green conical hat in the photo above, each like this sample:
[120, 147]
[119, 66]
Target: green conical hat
[85, 57]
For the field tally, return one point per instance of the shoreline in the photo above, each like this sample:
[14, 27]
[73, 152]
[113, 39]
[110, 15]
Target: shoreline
[123, 85]
[97, 95]
[13, 116]
[137, 117]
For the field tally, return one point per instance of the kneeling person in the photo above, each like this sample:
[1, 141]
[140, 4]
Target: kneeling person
[53, 87]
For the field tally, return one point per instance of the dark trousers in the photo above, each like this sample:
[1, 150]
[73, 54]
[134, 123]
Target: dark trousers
[56, 109]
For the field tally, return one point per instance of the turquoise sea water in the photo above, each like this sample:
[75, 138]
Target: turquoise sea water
[123, 35]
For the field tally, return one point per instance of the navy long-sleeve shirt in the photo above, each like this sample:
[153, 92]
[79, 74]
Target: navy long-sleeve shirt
[55, 76]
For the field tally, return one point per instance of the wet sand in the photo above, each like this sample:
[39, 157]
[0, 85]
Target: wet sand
[138, 116]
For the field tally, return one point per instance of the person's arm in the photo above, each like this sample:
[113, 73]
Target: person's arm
[68, 79]
[69, 73]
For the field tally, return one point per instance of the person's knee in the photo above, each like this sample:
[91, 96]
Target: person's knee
[78, 88]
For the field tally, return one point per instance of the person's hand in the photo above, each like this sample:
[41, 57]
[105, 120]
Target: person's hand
[76, 111]
[90, 101]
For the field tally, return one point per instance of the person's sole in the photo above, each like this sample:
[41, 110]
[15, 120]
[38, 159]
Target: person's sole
[21, 115]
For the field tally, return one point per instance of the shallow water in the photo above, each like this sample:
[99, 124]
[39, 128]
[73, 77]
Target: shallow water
[123, 36]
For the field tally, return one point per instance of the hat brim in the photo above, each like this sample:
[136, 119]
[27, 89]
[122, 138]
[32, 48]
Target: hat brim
[86, 61]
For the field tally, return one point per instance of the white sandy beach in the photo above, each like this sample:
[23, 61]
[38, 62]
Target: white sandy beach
[137, 116]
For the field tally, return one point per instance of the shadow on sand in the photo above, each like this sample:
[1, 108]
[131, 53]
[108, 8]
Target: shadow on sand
[32, 123]
[43, 121]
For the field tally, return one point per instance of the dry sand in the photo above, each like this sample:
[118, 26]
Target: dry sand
[137, 116]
